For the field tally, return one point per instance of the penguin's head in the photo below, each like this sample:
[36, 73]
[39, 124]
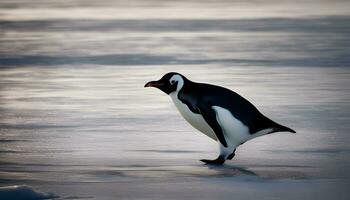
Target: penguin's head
[169, 83]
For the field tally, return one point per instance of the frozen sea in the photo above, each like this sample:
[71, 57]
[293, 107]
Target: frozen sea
[76, 122]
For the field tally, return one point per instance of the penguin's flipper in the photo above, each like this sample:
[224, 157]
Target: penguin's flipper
[209, 116]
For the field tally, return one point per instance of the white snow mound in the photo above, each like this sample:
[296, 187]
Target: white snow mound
[23, 192]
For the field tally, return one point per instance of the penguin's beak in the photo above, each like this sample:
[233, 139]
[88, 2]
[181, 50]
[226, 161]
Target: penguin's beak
[156, 84]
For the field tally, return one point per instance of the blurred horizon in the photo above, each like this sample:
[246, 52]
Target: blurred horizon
[148, 9]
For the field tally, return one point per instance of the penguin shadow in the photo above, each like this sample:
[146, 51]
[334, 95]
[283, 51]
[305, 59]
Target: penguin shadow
[262, 172]
[230, 170]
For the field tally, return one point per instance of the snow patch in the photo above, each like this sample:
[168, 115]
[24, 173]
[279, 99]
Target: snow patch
[23, 192]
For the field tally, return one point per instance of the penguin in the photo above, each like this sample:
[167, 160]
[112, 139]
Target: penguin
[220, 113]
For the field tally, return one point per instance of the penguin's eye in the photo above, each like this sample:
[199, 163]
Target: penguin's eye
[172, 82]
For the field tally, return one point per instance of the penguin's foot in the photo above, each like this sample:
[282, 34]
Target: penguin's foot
[231, 155]
[218, 161]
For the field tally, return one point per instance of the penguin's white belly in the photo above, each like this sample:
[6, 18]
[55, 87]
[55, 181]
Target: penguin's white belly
[234, 130]
[196, 120]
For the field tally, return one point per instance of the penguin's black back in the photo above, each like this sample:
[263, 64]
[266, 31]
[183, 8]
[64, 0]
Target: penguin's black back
[240, 108]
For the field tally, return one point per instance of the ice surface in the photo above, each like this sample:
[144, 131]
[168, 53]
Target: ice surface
[75, 119]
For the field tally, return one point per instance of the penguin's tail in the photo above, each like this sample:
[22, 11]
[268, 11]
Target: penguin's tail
[281, 128]
[276, 127]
